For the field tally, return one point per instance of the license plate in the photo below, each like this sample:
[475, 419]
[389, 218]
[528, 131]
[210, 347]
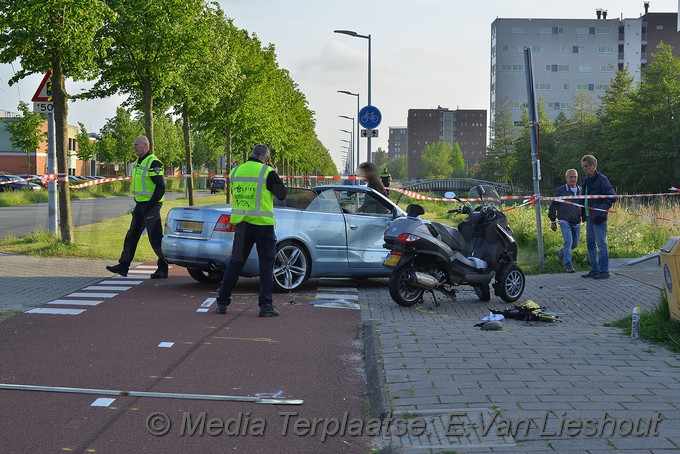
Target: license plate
[391, 260]
[189, 226]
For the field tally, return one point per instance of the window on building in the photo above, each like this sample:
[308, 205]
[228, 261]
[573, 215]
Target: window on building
[566, 86]
[585, 69]
[542, 86]
[505, 48]
[545, 30]
[605, 50]
[606, 69]
[659, 27]
[603, 31]
[581, 30]
[517, 30]
[578, 50]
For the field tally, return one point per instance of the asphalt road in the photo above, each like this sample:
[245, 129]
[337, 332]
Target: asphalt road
[151, 337]
[20, 220]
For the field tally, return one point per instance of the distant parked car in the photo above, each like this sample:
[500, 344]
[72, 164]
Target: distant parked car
[37, 179]
[217, 184]
[16, 183]
[326, 231]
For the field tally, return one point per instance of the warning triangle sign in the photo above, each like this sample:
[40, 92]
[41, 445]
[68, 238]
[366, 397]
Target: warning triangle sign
[44, 92]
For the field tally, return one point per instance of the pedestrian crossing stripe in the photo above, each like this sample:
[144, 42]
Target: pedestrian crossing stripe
[55, 311]
[75, 302]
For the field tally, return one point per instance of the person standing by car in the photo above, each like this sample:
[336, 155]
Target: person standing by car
[569, 217]
[596, 218]
[254, 184]
[148, 189]
[385, 177]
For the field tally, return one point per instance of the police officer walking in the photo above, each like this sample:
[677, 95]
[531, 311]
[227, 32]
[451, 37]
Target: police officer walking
[148, 189]
[385, 177]
[253, 187]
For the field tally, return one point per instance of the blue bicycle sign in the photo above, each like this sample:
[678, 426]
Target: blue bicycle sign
[370, 117]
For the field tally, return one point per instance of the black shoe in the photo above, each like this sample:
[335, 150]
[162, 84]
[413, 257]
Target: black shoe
[221, 309]
[159, 275]
[117, 269]
[591, 273]
[571, 270]
[602, 276]
[268, 311]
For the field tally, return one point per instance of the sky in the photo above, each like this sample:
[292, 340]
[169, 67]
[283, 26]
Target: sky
[424, 54]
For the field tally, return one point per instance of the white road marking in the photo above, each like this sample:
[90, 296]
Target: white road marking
[166, 344]
[92, 295]
[75, 302]
[55, 311]
[112, 288]
[102, 402]
[335, 296]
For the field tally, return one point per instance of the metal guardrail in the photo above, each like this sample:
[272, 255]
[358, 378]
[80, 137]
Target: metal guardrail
[459, 184]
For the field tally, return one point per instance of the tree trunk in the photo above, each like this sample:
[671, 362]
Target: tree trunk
[61, 146]
[187, 150]
[148, 112]
[229, 157]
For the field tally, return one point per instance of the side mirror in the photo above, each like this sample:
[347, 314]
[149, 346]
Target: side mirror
[480, 190]
[450, 195]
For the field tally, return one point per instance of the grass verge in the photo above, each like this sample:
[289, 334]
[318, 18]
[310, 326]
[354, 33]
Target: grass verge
[656, 325]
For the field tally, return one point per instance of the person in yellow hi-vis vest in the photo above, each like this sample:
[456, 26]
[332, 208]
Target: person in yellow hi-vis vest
[148, 189]
[254, 184]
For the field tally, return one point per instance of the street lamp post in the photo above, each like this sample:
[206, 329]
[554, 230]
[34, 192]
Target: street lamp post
[368, 37]
[352, 120]
[351, 146]
[358, 128]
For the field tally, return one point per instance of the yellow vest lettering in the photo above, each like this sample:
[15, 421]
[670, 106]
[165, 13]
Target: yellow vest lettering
[252, 202]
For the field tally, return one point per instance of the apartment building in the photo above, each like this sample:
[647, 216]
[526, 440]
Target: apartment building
[397, 142]
[429, 126]
[569, 55]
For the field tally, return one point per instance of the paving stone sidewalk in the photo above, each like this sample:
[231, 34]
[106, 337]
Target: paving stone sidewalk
[569, 386]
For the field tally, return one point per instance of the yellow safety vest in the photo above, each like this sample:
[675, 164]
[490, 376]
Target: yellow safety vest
[142, 185]
[252, 202]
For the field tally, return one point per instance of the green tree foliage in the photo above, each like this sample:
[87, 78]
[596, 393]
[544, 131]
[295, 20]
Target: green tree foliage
[457, 162]
[26, 131]
[86, 148]
[500, 156]
[379, 158]
[116, 138]
[397, 167]
[436, 161]
[149, 49]
[57, 36]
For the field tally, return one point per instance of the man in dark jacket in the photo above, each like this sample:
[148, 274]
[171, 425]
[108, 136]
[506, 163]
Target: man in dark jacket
[596, 217]
[569, 216]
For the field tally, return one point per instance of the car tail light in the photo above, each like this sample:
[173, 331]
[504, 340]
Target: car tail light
[223, 224]
[408, 238]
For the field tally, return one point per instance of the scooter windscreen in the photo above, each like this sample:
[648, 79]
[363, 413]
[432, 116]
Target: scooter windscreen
[483, 194]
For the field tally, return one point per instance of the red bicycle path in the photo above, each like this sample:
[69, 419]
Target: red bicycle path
[308, 353]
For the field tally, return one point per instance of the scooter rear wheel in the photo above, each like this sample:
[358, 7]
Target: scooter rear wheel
[401, 292]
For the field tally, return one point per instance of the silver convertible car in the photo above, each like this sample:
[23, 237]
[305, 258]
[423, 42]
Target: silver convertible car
[326, 231]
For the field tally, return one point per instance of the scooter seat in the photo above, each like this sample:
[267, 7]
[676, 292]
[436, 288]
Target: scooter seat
[451, 237]
[472, 262]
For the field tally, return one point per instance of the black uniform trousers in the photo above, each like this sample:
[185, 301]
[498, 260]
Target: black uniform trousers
[147, 216]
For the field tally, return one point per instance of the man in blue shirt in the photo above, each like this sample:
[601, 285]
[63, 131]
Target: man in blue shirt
[569, 217]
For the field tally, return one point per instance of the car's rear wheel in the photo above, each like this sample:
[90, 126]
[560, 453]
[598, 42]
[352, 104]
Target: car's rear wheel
[206, 277]
[291, 266]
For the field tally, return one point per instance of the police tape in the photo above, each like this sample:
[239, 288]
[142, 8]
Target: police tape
[531, 200]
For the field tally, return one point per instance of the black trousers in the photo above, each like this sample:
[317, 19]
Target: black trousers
[144, 216]
[245, 237]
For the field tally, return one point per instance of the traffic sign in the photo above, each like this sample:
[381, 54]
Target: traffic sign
[369, 133]
[370, 117]
[44, 92]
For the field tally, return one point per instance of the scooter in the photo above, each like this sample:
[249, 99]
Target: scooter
[428, 256]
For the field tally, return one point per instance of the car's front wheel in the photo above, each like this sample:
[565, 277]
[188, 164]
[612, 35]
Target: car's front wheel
[291, 266]
[206, 277]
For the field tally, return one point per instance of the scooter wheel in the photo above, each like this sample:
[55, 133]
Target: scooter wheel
[401, 292]
[510, 282]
